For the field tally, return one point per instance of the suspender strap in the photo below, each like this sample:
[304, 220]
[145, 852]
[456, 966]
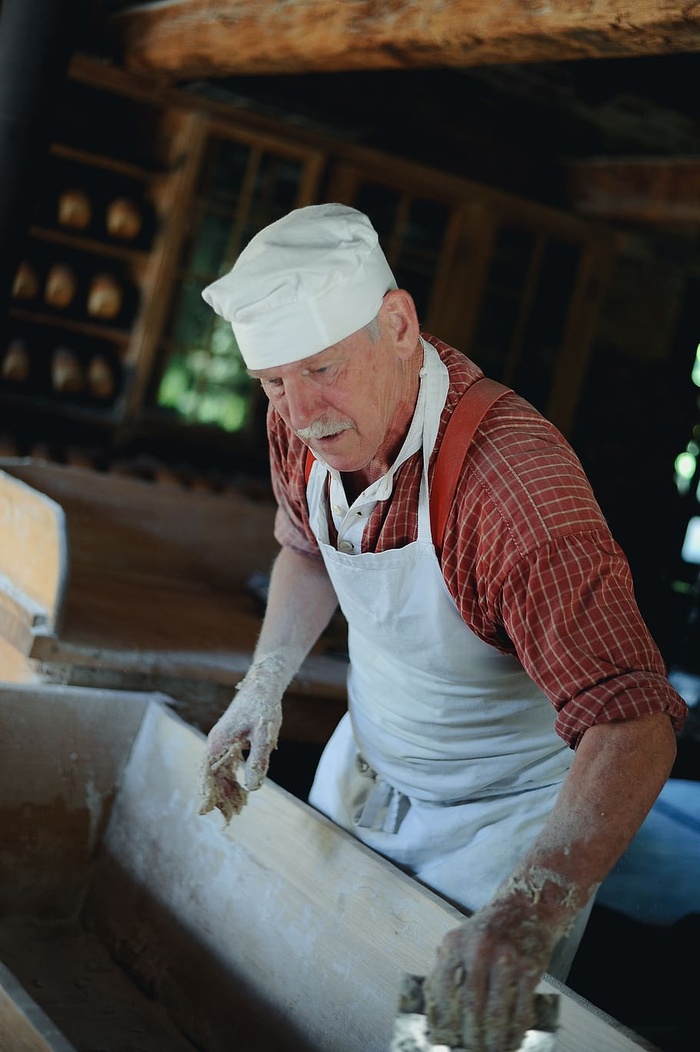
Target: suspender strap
[466, 417]
[308, 464]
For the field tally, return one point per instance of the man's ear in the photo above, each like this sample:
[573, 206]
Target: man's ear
[398, 312]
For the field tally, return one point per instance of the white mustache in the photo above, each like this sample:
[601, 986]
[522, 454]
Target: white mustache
[323, 428]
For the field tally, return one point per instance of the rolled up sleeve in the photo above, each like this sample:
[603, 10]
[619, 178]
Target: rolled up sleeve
[571, 614]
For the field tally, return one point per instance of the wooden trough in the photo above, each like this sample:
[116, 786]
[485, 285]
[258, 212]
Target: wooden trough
[130, 923]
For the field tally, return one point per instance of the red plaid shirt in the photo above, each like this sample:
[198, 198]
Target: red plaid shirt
[527, 557]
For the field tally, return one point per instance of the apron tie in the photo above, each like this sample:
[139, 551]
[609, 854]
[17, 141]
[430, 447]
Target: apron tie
[381, 807]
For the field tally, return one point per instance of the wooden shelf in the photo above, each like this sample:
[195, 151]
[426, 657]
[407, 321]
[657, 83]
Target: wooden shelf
[98, 160]
[84, 328]
[184, 143]
[91, 245]
[61, 405]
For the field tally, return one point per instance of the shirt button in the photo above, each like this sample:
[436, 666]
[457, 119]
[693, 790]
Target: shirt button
[346, 546]
[337, 510]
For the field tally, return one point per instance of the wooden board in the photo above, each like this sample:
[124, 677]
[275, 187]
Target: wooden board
[215, 38]
[24, 1027]
[33, 562]
[156, 596]
[636, 189]
[279, 931]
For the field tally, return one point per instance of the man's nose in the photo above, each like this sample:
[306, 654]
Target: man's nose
[303, 404]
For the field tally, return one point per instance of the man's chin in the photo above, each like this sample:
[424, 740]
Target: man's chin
[330, 445]
[345, 465]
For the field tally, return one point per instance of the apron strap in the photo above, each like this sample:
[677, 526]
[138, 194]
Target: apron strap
[466, 417]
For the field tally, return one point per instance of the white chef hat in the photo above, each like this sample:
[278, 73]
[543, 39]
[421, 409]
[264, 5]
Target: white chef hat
[302, 284]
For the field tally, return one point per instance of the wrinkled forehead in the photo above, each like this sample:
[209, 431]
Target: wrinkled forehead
[340, 351]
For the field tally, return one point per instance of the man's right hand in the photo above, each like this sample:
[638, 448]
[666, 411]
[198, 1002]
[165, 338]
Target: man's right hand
[251, 726]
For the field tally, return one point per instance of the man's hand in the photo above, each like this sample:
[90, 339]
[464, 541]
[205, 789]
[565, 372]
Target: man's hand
[251, 725]
[300, 603]
[479, 995]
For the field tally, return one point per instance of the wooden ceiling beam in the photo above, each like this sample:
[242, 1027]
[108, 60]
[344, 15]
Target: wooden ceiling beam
[650, 190]
[188, 38]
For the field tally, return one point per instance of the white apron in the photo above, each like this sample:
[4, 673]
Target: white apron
[447, 761]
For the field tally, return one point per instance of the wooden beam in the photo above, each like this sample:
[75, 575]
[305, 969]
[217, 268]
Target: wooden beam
[225, 37]
[639, 189]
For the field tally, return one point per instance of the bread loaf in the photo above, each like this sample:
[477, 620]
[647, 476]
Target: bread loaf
[16, 363]
[100, 378]
[105, 297]
[124, 219]
[74, 209]
[61, 286]
[26, 283]
[67, 376]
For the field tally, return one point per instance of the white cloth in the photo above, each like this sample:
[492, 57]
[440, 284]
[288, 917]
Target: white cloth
[447, 761]
[303, 283]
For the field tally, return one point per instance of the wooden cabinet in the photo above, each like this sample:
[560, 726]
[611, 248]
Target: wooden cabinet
[151, 192]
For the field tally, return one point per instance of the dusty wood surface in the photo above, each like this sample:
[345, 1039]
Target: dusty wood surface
[62, 752]
[640, 189]
[33, 562]
[62, 755]
[153, 569]
[88, 1002]
[313, 923]
[14, 665]
[24, 1027]
[210, 37]
[279, 931]
[157, 595]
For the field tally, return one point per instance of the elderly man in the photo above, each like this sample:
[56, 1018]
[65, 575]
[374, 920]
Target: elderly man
[510, 722]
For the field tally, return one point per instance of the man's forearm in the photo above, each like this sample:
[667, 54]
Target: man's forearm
[617, 773]
[479, 993]
[300, 603]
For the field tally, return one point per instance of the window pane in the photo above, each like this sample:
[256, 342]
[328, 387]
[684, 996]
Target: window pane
[411, 232]
[208, 247]
[223, 172]
[502, 302]
[524, 310]
[421, 238]
[206, 388]
[242, 189]
[544, 331]
[380, 204]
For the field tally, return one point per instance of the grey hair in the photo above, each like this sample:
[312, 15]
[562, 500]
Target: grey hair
[372, 329]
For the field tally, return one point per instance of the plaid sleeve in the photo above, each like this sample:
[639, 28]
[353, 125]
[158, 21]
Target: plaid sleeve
[581, 637]
[533, 568]
[287, 458]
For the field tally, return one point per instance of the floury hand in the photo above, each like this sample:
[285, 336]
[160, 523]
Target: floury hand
[239, 746]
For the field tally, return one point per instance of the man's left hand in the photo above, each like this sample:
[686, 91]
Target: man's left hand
[479, 995]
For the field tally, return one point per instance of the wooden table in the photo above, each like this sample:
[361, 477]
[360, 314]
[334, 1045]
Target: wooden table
[116, 582]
